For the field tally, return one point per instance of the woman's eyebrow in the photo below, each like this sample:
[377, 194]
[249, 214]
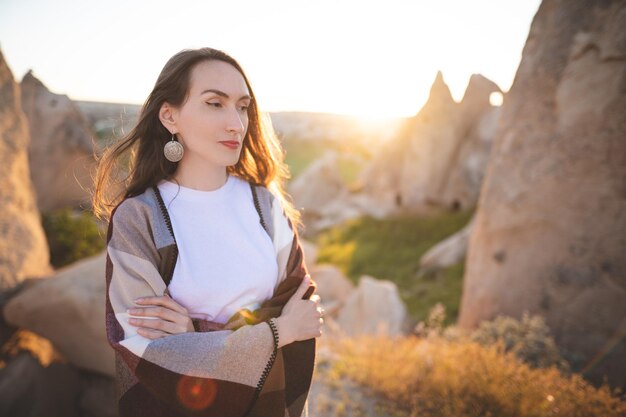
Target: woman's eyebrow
[223, 94]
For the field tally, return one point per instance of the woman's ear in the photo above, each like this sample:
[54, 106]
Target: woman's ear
[167, 115]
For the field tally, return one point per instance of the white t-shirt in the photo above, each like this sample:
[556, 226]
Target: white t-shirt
[226, 260]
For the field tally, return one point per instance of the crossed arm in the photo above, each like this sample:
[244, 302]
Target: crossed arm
[167, 317]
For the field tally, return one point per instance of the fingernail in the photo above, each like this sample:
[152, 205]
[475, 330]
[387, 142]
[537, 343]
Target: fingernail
[138, 300]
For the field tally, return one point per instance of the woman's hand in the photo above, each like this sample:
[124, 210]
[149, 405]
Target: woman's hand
[170, 317]
[300, 319]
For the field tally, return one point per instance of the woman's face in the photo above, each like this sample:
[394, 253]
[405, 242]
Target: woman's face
[216, 111]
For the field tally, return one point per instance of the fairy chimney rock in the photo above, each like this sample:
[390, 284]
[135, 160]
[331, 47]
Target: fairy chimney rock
[61, 148]
[23, 246]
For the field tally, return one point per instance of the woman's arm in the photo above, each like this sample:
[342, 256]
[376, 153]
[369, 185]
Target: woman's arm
[157, 317]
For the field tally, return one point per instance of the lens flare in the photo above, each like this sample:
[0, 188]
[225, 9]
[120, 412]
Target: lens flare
[196, 393]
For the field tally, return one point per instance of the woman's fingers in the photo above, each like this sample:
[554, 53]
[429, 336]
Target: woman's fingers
[151, 334]
[159, 312]
[167, 327]
[164, 301]
[169, 316]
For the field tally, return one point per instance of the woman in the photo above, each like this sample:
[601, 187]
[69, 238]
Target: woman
[209, 306]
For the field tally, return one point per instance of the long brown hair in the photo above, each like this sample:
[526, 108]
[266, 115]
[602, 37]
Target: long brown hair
[261, 161]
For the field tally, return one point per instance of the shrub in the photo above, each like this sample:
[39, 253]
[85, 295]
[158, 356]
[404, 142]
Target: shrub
[433, 377]
[71, 236]
[529, 339]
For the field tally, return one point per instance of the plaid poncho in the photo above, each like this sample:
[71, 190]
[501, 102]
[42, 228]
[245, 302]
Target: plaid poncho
[219, 370]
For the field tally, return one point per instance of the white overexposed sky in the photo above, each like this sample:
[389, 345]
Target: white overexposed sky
[366, 58]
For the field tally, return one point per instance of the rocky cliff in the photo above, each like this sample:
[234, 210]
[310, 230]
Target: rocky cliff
[550, 231]
[23, 246]
[438, 157]
[61, 148]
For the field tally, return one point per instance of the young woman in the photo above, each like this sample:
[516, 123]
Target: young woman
[209, 306]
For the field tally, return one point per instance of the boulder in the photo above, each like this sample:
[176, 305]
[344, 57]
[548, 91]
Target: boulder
[335, 212]
[23, 247]
[318, 185]
[549, 232]
[29, 389]
[448, 252]
[68, 310]
[332, 286]
[374, 307]
[61, 147]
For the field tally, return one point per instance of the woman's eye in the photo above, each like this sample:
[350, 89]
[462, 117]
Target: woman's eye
[214, 104]
[244, 108]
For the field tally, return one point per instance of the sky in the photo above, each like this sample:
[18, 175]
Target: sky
[372, 59]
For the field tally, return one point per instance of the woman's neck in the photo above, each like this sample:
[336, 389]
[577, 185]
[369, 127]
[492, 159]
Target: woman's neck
[202, 178]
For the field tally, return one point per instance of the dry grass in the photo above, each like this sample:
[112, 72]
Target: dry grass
[430, 377]
[25, 340]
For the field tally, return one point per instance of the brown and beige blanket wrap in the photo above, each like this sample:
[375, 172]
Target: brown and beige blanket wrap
[221, 370]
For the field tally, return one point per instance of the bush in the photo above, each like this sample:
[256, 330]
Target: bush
[71, 236]
[529, 339]
[434, 377]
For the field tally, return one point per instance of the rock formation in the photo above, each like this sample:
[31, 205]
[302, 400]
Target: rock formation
[68, 310]
[550, 230]
[439, 155]
[325, 200]
[450, 251]
[61, 147]
[333, 287]
[318, 185]
[459, 185]
[374, 307]
[23, 246]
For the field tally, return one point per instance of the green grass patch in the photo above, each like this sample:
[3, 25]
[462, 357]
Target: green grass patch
[71, 236]
[391, 249]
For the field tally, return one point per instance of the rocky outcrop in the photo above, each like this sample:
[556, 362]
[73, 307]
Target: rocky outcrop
[549, 233]
[325, 200]
[317, 186]
[459, 185]
[23, 247]
[448, 252]
[61, 147]
[68, 310]
[332, 286]
[374, 307]
[28, 388]
[438, 158]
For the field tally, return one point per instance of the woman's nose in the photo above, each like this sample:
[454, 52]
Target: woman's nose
[235, 122]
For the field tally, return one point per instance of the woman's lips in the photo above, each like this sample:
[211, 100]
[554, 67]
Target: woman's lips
[232, 144]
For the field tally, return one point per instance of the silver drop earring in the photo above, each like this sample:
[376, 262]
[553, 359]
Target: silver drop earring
[173, 150]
